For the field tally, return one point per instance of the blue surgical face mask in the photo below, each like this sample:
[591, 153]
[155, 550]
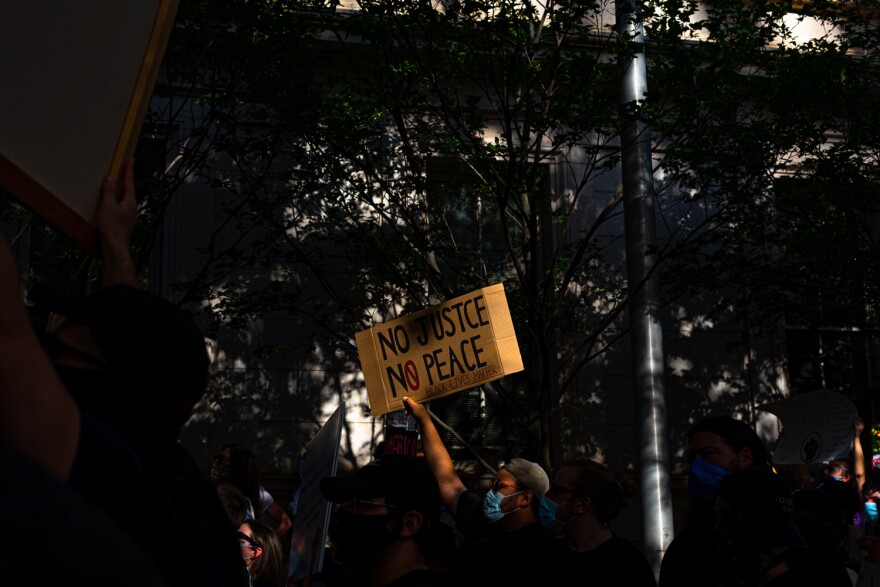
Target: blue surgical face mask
[871, 510]
[492, 504]
[704, 478]
[547, 509]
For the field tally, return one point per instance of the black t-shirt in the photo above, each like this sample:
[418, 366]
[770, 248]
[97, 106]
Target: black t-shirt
[693, 559]
[164, 502]
[425, 579]
[53, 536]
[690, 559]
[498, 558]
[614, 562]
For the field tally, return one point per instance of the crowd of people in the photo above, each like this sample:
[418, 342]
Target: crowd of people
[89, 436]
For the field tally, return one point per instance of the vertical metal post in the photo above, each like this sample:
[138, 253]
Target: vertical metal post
[645, 331]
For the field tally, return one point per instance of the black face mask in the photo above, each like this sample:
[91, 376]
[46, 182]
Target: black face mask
[92, 389]
[358, 539]
[104, 396]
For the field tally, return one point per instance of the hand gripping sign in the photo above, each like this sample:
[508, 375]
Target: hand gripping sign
[443, 349]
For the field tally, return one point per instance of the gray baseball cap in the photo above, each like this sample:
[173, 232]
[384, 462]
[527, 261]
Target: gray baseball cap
[530, 474]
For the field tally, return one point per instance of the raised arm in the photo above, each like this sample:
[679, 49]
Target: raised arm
[117, 211]
[437, 456]
[38, 418]
[858, 453]
[283, 521]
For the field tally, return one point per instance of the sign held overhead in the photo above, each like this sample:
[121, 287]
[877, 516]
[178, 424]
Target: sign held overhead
[443, 349]
[77, 81]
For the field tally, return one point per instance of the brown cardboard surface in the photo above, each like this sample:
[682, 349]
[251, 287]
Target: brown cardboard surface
[459, 344]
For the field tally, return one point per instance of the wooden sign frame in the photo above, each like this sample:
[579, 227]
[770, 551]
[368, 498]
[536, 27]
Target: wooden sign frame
[77, 81]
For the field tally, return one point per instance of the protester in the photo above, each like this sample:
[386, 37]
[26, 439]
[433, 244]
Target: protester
[385, 527]
[233, 501]
[134, 366]
[239, 466]
[263, 554]
[845, 535]
[719, 446]
[754, 524]
[866, 521]
[501, 530]
[38, 418]
[583, 499]
[850, 469]
[839, 470]
[822, 521]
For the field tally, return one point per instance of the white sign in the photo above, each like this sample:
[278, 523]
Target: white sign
[313, 511]
[816, 426]
[77, 80]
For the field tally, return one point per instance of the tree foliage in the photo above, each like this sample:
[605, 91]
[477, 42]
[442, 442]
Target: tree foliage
[367, 160]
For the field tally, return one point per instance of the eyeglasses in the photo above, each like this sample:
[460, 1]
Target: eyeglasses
[357, 505]
[220, 468]
[55, 349]
[245, 541]
[557, 490]
[497, 485]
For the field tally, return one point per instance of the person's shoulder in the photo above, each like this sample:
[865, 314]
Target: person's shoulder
[266, 498]
[424, 578]
[788, 579]
[690, 556]
[468, 500]
[552, 548]
[533, 535]
[469, 516]
[618, 543]
[626, 561]
[623, 549]
[690, 542]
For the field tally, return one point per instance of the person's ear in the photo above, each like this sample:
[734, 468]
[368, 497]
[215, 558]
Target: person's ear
[746, 458]
[582, 504]
[411, 523]
[258, 552]
[526, 498]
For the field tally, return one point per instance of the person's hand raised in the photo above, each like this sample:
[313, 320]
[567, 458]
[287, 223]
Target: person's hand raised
[117, 212]
[415, 409]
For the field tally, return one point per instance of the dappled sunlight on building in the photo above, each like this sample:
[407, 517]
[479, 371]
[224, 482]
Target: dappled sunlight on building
[679, 365]
[728, 386]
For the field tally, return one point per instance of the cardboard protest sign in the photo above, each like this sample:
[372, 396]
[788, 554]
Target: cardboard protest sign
[440, 350]
[77, 80]
[816, 426]
[313, 511]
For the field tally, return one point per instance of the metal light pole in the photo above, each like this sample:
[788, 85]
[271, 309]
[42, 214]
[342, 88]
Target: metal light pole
[645, 332]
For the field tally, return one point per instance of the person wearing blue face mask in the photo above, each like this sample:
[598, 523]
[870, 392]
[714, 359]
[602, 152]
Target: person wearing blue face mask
[493, 501]
[717, 447]
[867, 520]
[584, 498]
[500, 530]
